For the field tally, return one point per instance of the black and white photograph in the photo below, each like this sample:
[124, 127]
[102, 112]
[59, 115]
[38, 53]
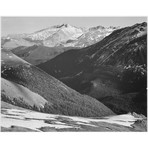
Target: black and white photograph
[73, 74]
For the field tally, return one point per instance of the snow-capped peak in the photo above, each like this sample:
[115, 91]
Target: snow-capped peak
[65, 35]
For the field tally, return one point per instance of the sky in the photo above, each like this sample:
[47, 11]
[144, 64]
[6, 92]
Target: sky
[16, 25]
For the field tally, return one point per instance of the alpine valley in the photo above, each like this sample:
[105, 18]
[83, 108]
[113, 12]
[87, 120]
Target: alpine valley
[67, 78]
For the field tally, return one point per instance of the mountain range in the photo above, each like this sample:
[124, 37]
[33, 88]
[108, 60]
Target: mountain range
[46, 44]
[63, 35]
[113, 70]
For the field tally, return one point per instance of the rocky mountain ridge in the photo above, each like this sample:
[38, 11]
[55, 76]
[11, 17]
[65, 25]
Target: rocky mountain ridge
[64, 35]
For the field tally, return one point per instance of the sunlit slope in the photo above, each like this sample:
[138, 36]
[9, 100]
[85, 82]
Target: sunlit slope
[61, 99]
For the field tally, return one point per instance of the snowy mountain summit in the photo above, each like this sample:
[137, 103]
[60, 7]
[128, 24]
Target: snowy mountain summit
[64, 35]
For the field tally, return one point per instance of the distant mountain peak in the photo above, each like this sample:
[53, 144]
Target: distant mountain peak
[62, 25]
[103, 28]
[97, 27]
[65, 35]
[144, 24]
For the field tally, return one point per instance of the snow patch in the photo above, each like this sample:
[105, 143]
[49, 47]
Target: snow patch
[35, 120]
[15, 117]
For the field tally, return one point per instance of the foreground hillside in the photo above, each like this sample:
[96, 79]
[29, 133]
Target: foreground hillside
[18, 120]
[114, 70]
[21, 77]
[13, 90]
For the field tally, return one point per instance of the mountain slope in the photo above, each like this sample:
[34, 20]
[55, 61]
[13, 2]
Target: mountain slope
[13, 90]
[61, 32]
[65, 33]
[92, 36]
[112, 67]
[38, 54]
[10, 43]
[61, 99]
